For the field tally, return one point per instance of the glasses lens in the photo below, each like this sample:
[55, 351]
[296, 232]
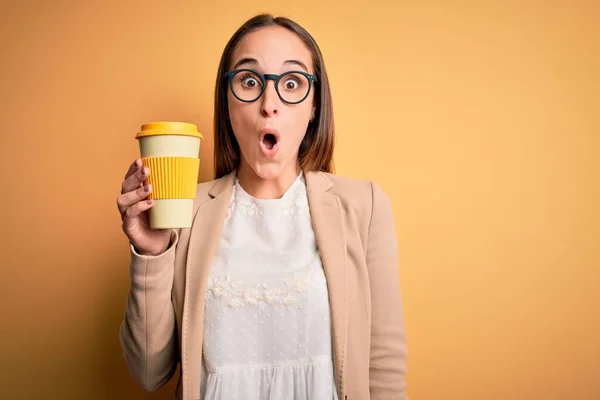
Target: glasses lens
[293, 87]
[246, 85]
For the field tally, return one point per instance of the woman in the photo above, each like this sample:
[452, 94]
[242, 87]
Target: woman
[286, 286]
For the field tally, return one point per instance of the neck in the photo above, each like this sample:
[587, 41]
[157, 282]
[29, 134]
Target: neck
[263, 188]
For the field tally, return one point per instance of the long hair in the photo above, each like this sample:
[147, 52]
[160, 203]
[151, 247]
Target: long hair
[316, 149]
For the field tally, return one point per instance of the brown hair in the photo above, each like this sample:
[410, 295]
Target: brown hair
[316, 150]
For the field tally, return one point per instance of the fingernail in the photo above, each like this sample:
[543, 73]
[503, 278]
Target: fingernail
[146, 188]
[149, 201]
[144, 171]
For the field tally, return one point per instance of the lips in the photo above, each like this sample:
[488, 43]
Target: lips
[269, 142]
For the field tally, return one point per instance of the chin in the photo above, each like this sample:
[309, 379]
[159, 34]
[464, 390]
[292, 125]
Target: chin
[267, 171]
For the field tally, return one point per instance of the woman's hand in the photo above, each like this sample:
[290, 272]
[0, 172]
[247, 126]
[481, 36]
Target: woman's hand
[133, 206]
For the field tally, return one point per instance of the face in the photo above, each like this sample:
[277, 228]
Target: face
[268, 130]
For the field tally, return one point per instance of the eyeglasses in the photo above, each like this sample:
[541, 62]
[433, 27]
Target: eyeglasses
[248, 85]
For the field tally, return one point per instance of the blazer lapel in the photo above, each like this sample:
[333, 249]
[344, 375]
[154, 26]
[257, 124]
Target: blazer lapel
[204, 239]
[328, 226]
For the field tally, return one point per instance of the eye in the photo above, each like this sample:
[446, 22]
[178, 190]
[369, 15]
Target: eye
[291, 83]
[250, 82]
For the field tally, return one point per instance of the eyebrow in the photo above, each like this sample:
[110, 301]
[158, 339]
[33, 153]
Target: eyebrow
[248, 60]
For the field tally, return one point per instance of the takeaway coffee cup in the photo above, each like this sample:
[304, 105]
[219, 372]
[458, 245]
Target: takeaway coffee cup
[171, 151]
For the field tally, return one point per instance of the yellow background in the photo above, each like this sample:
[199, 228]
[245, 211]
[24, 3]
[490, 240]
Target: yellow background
[479, 119]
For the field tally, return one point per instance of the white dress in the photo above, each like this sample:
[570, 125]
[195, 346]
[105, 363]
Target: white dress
[267, 318]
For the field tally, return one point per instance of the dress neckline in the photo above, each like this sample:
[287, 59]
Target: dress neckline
[298, 184]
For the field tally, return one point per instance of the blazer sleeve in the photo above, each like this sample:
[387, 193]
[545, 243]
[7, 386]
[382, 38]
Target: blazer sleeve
[387, 369]
[148, 332]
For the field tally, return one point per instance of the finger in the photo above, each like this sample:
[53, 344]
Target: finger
[133, 167]
[134, 181]
[128, 199]
[135, 210]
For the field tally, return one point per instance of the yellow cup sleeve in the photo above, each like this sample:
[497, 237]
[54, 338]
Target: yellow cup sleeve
[172, 177]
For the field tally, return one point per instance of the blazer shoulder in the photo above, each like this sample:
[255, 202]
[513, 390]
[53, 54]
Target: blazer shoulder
[349, 189]
[359, 194]
[361, 190]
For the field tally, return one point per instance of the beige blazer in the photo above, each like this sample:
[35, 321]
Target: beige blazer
[355, 233]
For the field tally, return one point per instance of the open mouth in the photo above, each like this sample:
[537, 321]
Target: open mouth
[269, 140]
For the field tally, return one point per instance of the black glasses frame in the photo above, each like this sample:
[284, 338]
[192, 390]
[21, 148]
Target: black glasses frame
[312, 79]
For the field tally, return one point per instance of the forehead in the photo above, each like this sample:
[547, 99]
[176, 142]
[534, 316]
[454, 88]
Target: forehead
[271, 47]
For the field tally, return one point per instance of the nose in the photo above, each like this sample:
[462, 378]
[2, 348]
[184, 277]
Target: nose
[270, 100]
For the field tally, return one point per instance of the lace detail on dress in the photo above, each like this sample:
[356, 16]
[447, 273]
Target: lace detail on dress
[297, 206]
[293, 203]
[261, 295]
